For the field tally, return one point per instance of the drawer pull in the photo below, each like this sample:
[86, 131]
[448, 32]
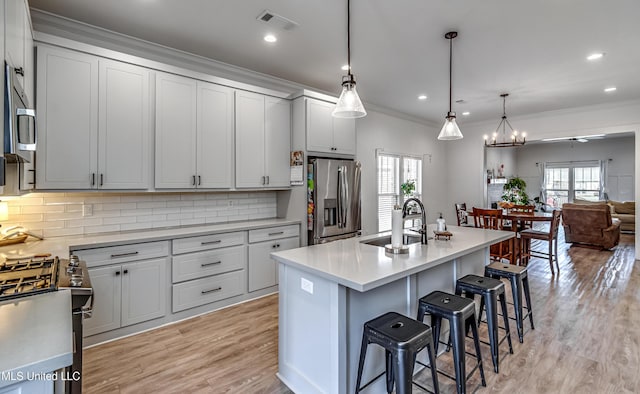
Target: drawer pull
[113, 256]
[211, 242]
[211, 291]
[210, 264]
[276, 233]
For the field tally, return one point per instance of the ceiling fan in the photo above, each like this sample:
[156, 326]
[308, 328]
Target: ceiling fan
[579, 138]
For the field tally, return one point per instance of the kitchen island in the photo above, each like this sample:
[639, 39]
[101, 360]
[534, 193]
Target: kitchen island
[328, 291]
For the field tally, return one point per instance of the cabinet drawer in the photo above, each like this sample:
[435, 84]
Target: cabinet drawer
[206, 242]
[266, 234]
[198, 265]
[203, 291]
[123, 253]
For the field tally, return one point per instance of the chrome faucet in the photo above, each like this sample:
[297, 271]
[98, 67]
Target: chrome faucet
[423, 212]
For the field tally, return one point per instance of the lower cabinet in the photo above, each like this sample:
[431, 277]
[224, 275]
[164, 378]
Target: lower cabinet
[127, 294]
[263, 270]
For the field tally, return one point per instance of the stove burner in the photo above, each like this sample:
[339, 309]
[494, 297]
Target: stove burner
[27, 277]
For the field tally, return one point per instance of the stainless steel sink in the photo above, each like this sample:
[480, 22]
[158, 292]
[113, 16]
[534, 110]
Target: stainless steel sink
[407, 238]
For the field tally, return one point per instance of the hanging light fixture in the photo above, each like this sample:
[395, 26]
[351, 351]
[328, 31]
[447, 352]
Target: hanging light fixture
[349, 104]
[450, 130]
[505, 141]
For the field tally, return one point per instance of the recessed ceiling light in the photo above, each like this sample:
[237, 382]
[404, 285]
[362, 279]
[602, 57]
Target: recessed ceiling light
[595, 56]
[270, 38]
[611, 89]
[345, 67]
[422, 97]
[467, 113]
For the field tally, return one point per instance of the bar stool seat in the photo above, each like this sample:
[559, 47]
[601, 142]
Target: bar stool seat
[402, 338]
[491, 290]
[461, 314]
[519, 281]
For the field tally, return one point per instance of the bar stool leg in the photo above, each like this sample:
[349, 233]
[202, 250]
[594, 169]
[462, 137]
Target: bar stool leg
[434, 372]
[476, 341]
[503, 303]
[436, 322]
[457, 328]
[516, 283]
[363, 353]
[403, 372]
[481, 309]
[492, 322]
[389, 371]
[527, 296]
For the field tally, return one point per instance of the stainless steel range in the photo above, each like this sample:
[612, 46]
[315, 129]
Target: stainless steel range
[21, 278]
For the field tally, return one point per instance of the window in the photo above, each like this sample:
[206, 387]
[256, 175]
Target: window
[393, 170]
[564, 182]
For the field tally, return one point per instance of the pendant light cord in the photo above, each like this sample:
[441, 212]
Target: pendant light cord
[450, 72]
[349, 37]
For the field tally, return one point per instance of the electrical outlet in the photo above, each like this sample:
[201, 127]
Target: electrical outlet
[306, 285]
[230, 203]
[87, 210]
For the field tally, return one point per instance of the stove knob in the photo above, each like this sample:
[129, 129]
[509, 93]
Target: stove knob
[74, 261]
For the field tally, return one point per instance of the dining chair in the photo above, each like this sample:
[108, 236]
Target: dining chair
[550, 236]
[461, 214]
[524, 209]
[492, 219]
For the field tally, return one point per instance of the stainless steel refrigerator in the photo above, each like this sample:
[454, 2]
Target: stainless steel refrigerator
[333, 199]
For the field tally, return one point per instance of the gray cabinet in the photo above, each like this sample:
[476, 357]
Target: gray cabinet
[325, 133]
[263, 141]
[131, 289]
[262, 269]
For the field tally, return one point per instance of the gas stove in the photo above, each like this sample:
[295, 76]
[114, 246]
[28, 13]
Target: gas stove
[27, 277]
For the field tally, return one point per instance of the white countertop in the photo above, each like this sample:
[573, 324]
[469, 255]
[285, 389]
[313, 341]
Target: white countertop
[363, 267]
[35, 335]
[60, 246]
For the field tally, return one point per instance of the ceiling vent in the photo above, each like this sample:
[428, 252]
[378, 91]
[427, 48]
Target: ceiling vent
[276, 20]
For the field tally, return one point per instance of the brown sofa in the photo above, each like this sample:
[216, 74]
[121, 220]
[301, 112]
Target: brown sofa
[624, 211]
[590, 224]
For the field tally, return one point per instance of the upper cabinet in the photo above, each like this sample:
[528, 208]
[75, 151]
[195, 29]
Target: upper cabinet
[94, 122]
[263, 141]
[327, 134]
[194, 133]
[19, 43]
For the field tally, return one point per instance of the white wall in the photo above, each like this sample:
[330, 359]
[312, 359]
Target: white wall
[465, 158]
[621, 151]
[396, 135]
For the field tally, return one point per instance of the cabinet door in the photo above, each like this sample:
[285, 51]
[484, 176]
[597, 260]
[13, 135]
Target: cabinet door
[262, 268]
[344, 136]
[319, 126]
[29, 81]
[106, 300]
[124, 126]
[15, 15]
[277, 138]
[249, 140]
[175, 131]
[215, 136]
[144, 291]
[67, 104]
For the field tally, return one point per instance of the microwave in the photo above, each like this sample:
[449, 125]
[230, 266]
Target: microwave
[19, 120]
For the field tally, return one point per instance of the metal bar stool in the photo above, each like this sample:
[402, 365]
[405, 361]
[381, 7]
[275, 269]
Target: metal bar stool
[402, 338]
[491, 290]
[519, 280]
[461, 313]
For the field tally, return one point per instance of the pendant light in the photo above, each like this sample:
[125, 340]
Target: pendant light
[349, 104]
[504, 141]
[450, 130]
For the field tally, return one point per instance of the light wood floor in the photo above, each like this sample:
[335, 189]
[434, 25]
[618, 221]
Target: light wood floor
[587, 340]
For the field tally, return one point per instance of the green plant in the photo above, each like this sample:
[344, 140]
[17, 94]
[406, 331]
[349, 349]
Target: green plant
[514, 191]
[408, 187]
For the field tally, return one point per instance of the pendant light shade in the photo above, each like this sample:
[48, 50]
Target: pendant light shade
[349, 104]
[450, 130]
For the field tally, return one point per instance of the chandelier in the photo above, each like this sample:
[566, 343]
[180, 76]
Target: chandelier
[504, 141]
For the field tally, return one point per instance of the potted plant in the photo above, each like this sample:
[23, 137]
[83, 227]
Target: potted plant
[514, 192]
[407, 190]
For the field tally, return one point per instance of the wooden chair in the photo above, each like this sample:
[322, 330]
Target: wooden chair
[461, 214]
[551, 237]
[524, 209]
[492, 219]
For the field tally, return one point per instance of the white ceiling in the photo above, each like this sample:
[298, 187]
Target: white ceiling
[534, 50]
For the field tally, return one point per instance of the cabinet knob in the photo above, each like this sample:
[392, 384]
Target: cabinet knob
[117, 273]
[20, 71]
[126, 272]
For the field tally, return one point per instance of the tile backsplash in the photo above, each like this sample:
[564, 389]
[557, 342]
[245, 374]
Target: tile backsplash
[62, 214]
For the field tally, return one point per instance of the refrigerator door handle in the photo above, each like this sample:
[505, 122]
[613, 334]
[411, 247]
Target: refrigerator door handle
[339, 198]
[343, 197]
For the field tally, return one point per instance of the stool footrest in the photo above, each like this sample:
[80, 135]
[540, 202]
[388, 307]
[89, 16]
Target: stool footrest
[369, 382]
